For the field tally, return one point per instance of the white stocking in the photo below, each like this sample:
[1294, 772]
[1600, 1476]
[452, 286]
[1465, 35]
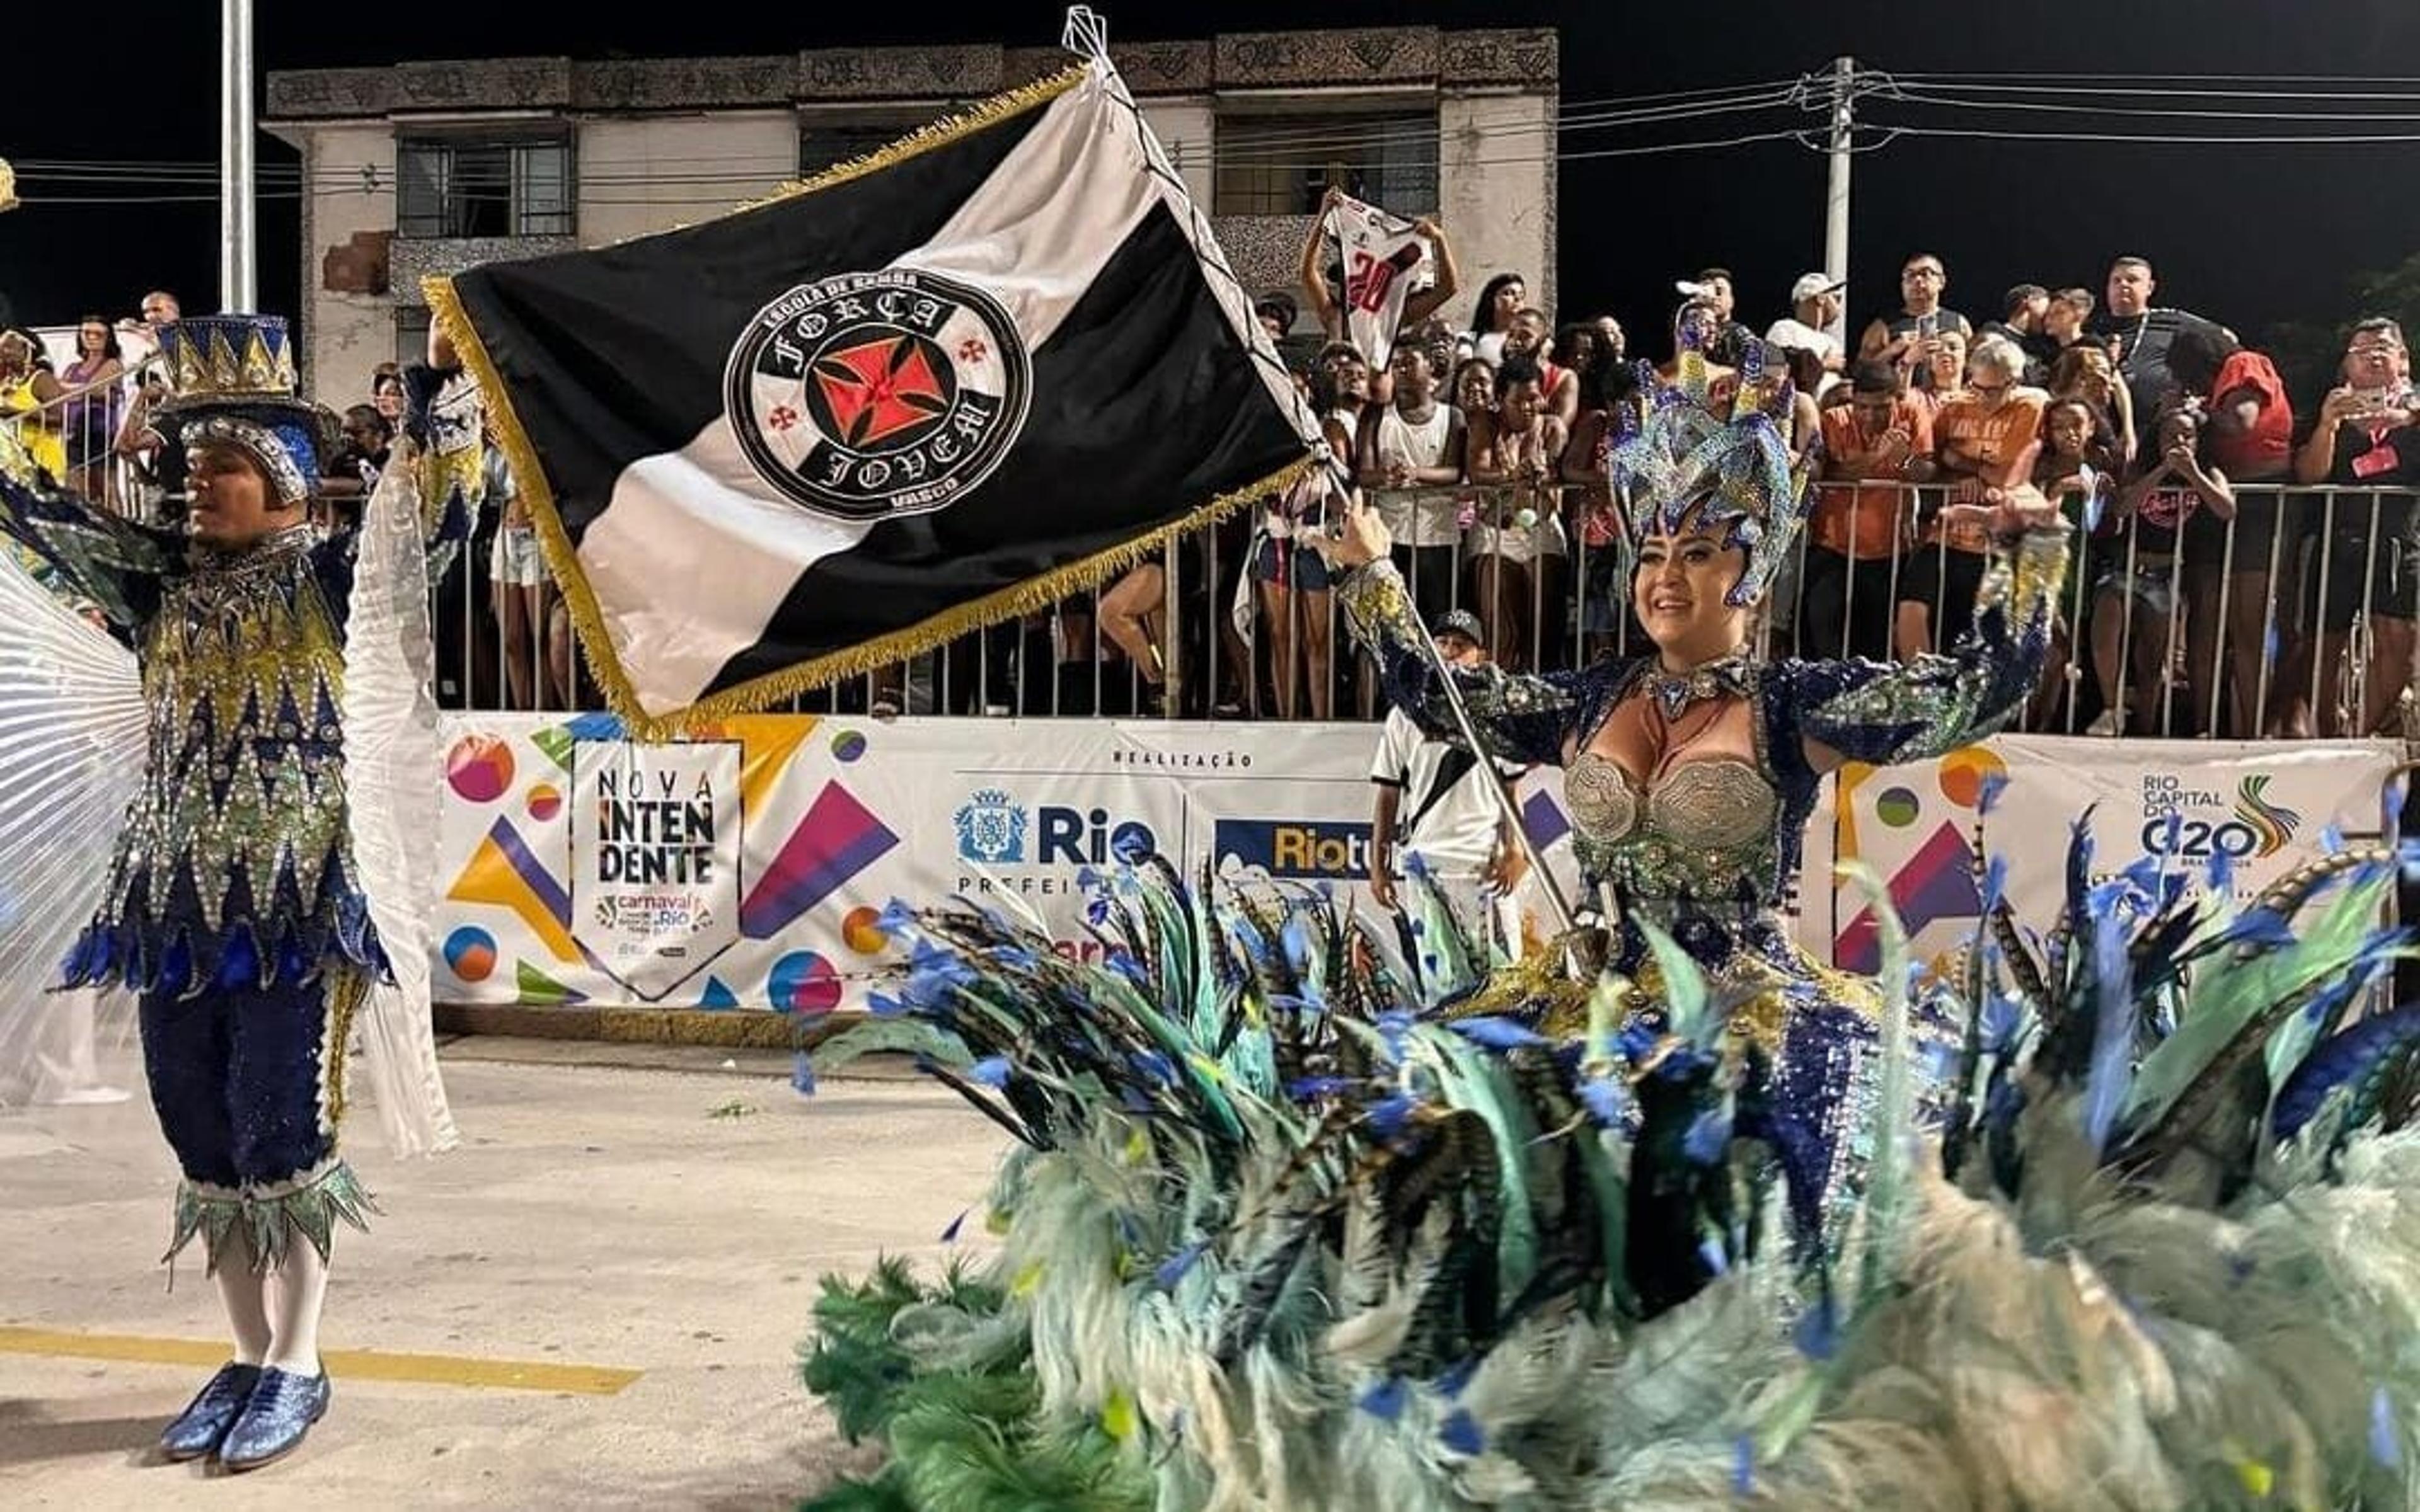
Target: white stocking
[242, 1293]
[296, 1289]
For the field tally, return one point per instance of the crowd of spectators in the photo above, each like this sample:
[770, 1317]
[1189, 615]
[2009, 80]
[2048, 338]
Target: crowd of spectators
[2224, 584]
[503, 638]
[2244, 567]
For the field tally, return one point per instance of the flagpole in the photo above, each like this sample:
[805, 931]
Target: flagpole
[1087, 35]
[1498, 790]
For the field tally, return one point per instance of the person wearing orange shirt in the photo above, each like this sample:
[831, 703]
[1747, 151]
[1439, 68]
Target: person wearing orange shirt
[1878, 440]
[1986, 440]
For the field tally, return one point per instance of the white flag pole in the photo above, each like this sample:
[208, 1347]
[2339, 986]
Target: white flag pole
[1088, 36]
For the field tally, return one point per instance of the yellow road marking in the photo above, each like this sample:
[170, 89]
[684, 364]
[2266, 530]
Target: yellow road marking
[352, 1364]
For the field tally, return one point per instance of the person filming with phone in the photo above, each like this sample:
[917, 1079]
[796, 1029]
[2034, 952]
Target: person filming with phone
[2365, 439]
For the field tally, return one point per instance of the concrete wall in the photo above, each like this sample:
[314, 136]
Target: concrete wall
[651, 130]
[347, 329]
[1186, 126]
[642, 175]
[1496, 189]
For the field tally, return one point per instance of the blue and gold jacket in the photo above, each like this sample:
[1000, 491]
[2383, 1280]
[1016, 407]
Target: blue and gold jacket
[234, 869]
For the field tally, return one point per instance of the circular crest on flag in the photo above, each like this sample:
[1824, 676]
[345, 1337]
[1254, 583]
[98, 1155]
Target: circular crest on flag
[866, 395]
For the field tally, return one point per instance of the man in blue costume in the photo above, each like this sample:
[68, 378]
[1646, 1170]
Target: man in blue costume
[234, 908]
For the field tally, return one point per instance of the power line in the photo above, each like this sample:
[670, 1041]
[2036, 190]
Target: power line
[1308, 149]
[2237, 78]
[1776, 98]
[1799, 136]
[713, 190]
[1913, 98]
[49, 201]
[1942, 82]
[1609, 111]
[2163, 140]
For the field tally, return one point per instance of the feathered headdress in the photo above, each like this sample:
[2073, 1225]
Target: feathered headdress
[1684, 464]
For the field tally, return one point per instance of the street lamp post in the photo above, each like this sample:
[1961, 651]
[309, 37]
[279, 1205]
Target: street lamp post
[238, 274]
[1836, 197]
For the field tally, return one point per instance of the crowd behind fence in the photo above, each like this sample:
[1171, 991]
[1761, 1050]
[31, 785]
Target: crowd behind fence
[2291, 614]
[2294, 619]
[2294, 623]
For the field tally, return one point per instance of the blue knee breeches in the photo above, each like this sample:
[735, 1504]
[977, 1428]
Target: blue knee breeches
[249, 1086]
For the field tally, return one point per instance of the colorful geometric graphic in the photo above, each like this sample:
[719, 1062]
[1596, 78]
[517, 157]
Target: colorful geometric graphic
[2272, 825]
[836, 839]
[545, 802]
[766, 744]
[502, 873]
[1545, 820]
[860, 931]
[537, 987]
[847, 745]
[1937, 883]
[557, 740]
[470, 953]
[716, 995]
[1964, 772]
[804, 982]
[479, 769]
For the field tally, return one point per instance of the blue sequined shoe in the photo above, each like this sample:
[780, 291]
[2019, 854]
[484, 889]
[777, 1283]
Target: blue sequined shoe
[206, 1418]
[282, 1410]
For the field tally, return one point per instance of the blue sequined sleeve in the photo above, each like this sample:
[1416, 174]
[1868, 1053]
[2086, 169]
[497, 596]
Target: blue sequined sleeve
[1523, 719]
[1885, 712]
[114, 564]
[443, 418]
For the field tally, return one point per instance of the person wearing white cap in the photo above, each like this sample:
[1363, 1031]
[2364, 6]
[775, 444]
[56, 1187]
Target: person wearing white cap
[1431, 802]
[1814, 307]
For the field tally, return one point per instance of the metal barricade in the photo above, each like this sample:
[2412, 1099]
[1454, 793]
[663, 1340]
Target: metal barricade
[112, 480]
[2294, 618]
[2290, 617]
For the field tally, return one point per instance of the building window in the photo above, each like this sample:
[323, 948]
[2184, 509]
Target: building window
[463, 186]
[826, 146]
[412, 333]
[1281, 165]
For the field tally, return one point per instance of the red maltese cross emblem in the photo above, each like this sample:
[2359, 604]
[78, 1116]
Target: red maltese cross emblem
[878, 389]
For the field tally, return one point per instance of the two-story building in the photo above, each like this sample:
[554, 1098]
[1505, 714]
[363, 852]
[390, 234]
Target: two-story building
[429, 167]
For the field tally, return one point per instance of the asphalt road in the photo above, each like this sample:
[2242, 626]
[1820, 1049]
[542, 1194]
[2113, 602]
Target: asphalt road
[598, 1220]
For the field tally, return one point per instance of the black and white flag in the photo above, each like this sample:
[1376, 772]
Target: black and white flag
[972, 373]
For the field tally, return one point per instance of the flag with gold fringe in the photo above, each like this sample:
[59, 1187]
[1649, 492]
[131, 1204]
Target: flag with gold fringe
[981, 369]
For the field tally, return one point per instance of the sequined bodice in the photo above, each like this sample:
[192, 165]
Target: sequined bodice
[1706, 844]
[1706, 829]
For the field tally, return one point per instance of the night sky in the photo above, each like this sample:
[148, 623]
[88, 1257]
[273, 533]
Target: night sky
[2248, 235]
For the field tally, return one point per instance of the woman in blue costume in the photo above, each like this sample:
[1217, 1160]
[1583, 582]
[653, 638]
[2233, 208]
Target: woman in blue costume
[1690, 771]
[1290, 1222]
[237, 907]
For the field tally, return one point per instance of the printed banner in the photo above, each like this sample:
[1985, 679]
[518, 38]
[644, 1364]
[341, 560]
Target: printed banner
[655, 846]
[818, 824]
[746, 869]
[2267, 805]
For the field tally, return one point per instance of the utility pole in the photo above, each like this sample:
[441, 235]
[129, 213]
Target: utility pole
[238, 274]
[1836, 199]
